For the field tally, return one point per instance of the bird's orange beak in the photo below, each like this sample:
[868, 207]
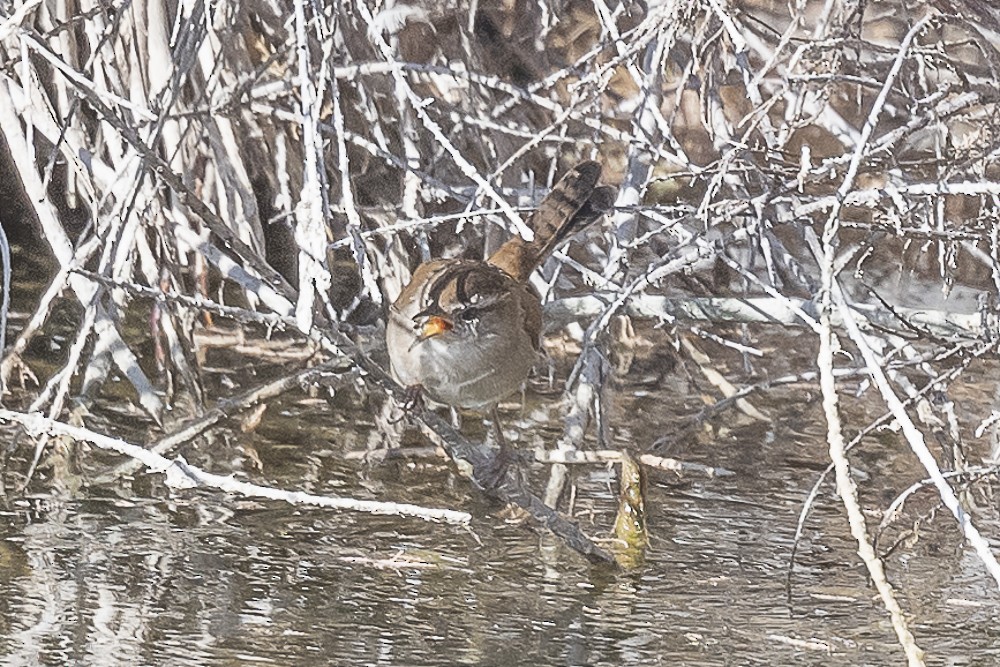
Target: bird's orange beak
[435, 326]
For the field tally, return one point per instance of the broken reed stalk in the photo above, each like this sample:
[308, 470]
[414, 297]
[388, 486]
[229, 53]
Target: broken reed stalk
[182, 475]
[827, 257]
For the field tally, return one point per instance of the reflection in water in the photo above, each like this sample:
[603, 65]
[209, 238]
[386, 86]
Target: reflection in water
[196, 578]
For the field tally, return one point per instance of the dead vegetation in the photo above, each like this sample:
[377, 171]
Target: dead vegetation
[272, 171]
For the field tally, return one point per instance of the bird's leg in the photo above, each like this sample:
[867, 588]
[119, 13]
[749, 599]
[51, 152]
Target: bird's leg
[494, 472]
[413, 401]
[413, 397]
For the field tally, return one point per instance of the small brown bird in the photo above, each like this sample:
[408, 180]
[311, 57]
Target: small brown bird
[468, 331]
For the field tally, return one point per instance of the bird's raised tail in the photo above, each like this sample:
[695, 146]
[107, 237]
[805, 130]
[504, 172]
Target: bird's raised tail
[575, 202]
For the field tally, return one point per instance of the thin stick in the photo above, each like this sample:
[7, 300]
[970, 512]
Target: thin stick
[916, 441]
[845, 485]
[225, 409]
[180, 474]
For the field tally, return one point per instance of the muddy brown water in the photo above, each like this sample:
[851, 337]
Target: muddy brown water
[143, 575]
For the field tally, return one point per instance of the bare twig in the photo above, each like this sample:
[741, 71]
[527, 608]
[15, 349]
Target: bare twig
[181, 474]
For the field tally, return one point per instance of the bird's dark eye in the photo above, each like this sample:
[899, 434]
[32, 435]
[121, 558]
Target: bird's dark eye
[469, 314]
